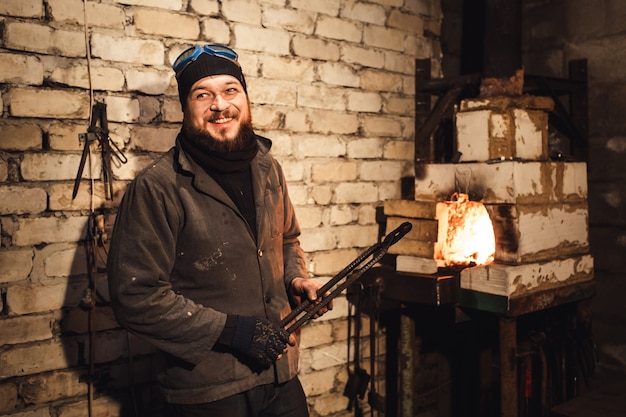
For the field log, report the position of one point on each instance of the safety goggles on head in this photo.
(191, 54)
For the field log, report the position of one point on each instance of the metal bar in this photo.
(333, 288)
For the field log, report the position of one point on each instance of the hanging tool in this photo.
(334, 287)
(107, 146)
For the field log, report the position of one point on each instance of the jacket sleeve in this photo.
(141, 255)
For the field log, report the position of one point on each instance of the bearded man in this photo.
(205, 258)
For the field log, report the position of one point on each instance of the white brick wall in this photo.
(331, 83)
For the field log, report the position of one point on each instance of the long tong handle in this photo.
(377, 251)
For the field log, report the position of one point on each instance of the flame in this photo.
(469, 235)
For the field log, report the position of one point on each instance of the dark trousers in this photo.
(272, 400)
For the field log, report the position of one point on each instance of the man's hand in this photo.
(302, 287)
(260, 340)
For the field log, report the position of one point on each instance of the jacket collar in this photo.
(204, 183)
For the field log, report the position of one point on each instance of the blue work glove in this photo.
(257, 339)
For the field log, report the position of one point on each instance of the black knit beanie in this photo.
(204, 66)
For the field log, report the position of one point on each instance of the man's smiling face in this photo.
(218, 107)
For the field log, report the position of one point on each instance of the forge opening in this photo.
(465, 234)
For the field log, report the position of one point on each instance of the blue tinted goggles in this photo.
(191, 54)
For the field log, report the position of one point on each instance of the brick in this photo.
(8, 396)
(126, 49)
(55, 166)
(288, 69)
(49, 230)
(41, 389)
(28, 299)
(332, 122)
(76, 320)
(341, 215)
(335, 73)
(400, 105)
(64, 136)
(356, 236)
(15, 265)
(340, 29)
(217, 31)
(382, 37)
(289, 19)
(389, 190)
(365, 148)
(320, 97)
(35, 358)
(154, 138)
(20, 137)
(319, 146)
(399, 62)
(102, 78)
(279, 93)
(63, 260)
(22, 200)
(135, 164)
(20, 69)
(267, 117)
(262, 40)
(387, 126)
(22, 329)
(331, 262)
(530, 233)
(334, 171)
(357, 192)
(363, 56)
(399, 149)
(410, 209)
(159, 4)
(316, 333)
(4, 170)
(44, 39)
(414, 247)
(122, 109)
(410, 23)
(505, 134)
(148, 81)
(329, 7)
(310, 217)
(316, 383)
(329, 404)
(422, 229)
(515, 281)
(55, 104)
(98, 14)
(205, 7)
(22, 8)
(172, 111)
(327, 356)
(304, 46)
(313, 240)
(377, 80)
(380, 170)
(364, 102)
(368, 13)
(505, 182)
(293, 170)
(102, 406)
(244, 11)
(166, 23)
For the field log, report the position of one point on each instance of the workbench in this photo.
(440, 295)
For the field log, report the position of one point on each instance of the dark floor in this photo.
(606, 396)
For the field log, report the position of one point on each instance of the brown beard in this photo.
(245, 139)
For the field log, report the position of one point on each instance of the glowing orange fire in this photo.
(466, 237)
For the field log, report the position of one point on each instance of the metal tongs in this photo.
(304, 311)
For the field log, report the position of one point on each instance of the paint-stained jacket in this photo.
(182, 257)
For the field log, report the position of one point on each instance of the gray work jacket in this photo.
(182, 257)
